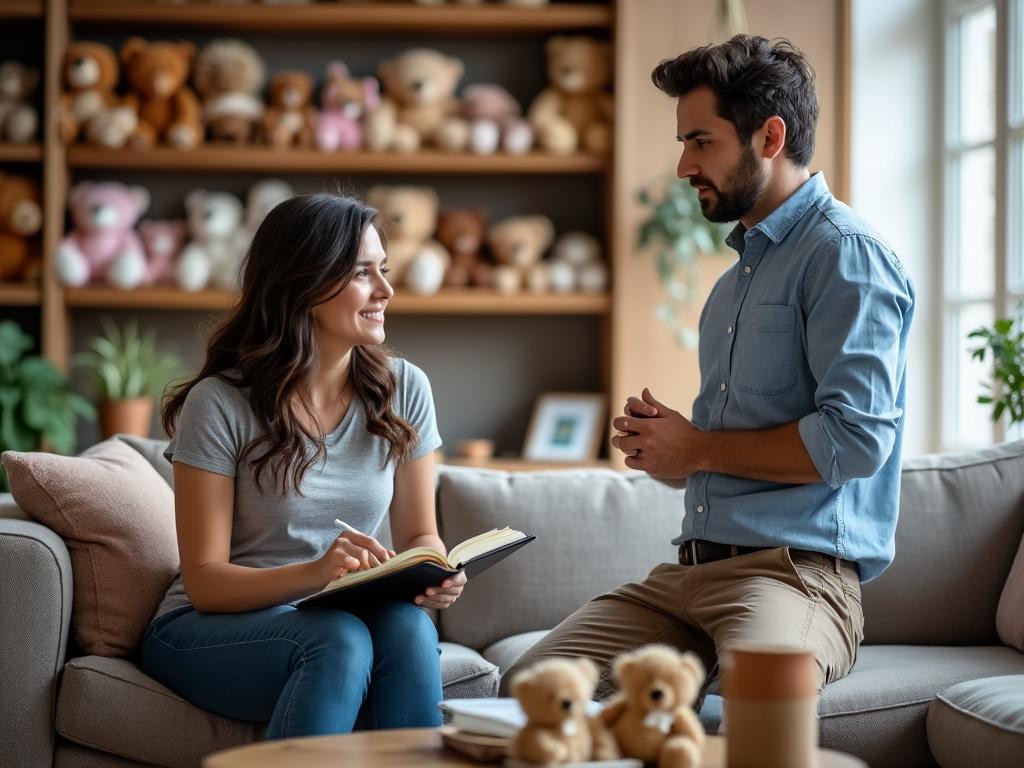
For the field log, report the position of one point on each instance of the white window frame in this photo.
(1009, 231)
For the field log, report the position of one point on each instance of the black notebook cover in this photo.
(406, 584)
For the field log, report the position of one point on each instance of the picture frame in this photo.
(565, 426)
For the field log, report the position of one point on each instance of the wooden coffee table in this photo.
(403, 748)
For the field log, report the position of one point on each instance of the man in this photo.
(791, 460)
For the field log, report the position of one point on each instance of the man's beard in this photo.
(738, 194)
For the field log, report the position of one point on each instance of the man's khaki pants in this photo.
(773, 596)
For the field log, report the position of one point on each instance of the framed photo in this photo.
(565, 426)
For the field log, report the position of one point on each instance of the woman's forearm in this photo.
(229, 588)
(426, 540)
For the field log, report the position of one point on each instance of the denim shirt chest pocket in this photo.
(765, 358)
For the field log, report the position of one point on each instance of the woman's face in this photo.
(355, 316)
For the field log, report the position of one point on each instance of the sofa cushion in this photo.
(961, 520)
(507, 651)
(980, 722)
(153, 452)
(116, 515)
(113, 706)
(878, 712)
(1010, 613)
(595, 530)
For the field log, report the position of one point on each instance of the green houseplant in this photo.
(677, 232)
(128, 372)
(36, 405)
(1005, 340)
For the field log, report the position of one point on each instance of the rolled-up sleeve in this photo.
(857, 300)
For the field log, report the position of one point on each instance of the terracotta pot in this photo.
(130, 417)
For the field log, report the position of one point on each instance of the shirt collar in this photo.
(776, 225)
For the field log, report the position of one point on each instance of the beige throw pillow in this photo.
(1010, 614)
(116, 515)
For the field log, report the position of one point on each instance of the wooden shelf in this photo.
(21, 153)
(341, 19)
(448, 302)
(266, 160)
(523, 465)
(21, 9)
(19, 295)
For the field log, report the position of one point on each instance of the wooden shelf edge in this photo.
(264, 160)
(19, 295)
(21, 9)
(346, 18)
(21, 153)
(448, 302)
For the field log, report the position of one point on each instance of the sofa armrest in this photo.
(35, 613)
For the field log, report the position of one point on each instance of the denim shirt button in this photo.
(746, 270)
(700, 508)
(722, 386)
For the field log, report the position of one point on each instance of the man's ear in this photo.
(770, 138)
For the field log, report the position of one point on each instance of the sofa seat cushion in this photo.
(507, 651)
(980, 722)
(878, 712)
(111, 705)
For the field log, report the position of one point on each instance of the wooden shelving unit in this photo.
(21, 153)
(333, 19)
(19, 295)
(21, 9)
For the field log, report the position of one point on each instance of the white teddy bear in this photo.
(217, 243)
(576, 264)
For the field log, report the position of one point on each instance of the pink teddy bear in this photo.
(164, 241)
(102, 243)
(344, 101)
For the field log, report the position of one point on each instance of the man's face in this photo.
(726, 173)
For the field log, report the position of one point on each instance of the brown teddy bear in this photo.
(419, 107)
(408, 215)
(518, 244)
(21, 217)
(290, 120)
(462, 233)
(554, 694)
(168, 109)
(575, 110)
(229, 77)
(90, 77)
(652, 715)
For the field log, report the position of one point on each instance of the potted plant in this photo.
(679, 233)
(37, 407)
(1005, 340)
(128, 372)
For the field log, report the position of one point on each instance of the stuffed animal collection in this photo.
(21, 218)
(19, 119)
(179, 95)
(650, 718)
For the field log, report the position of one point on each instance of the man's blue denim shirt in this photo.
(809, 325)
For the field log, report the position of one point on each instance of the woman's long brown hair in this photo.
(303, 254)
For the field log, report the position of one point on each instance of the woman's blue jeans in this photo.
(309, 672)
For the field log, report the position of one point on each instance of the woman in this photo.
(299, 417)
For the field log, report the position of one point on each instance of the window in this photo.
(983, 264)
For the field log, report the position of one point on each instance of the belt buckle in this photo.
(693, 552)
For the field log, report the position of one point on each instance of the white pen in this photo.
(346, 527)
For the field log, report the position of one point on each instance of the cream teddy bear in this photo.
(518, 244)
(228, 75)
(214, 253)
(409, 217)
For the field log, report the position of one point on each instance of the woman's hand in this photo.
(444, 595)
(350, 552)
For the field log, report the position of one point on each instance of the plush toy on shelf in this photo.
(19, 120)
(575, 110)
(345, 103)
(462, 233)
(169, 111)
(217, 244)
(21, 218)
(495, 120)
(261, 197)
(103, 244)
(409, 218)
(576, 264)
(228, 76)
(419, 107)
(163, 241)
(290, 119)
(518, 244)
(89, 108)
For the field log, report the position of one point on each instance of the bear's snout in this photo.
(567, 705)
(657, 694)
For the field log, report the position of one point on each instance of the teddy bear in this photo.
(163, 241)
(494, 120)
(168, 109)
(18, 117)
(575, 109)
(214, 252)
(518, 244)
(290, 120)
(408, 215)
(652, 715)
(554, 694)
(419, 107)
(345, 103)
(89, 108)
(462, 233)
(228, 76)
(103, 243)
(576, 264)
(261, 197)
(21, 218)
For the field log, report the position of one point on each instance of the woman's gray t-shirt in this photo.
(355, 482)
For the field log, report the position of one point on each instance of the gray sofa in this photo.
(930, 618)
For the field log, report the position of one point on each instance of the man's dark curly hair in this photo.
(753, 78)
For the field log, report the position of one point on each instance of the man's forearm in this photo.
(777, 455)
